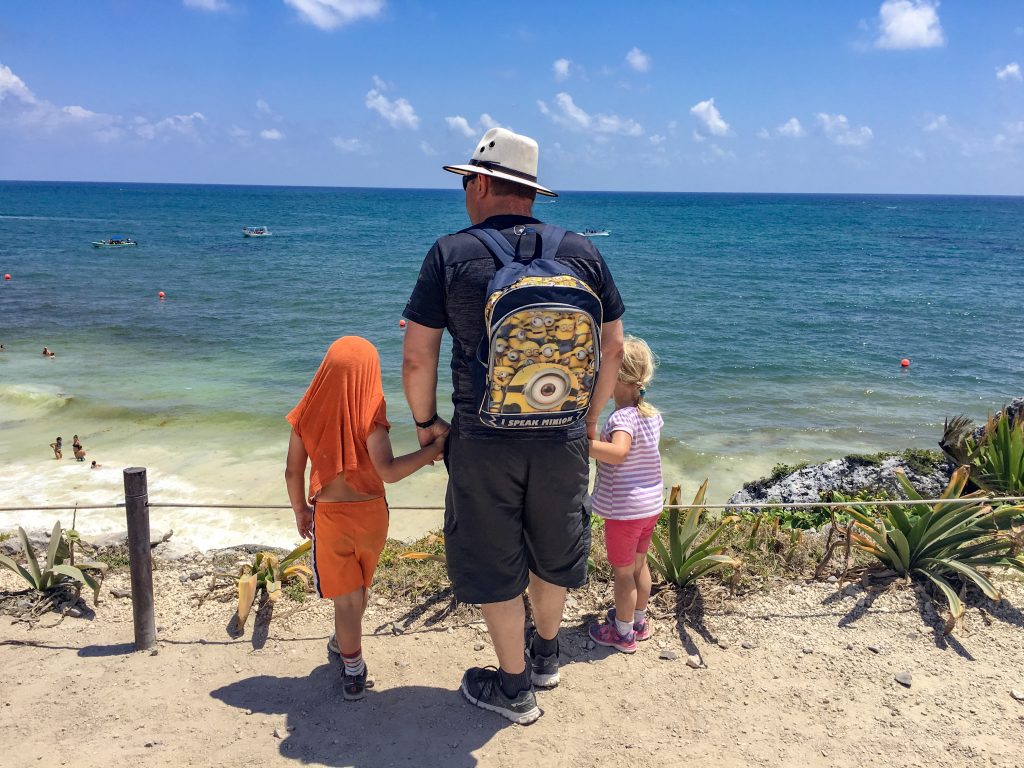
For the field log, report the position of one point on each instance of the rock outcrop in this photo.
(926, 470)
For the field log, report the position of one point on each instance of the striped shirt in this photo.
(632, 489)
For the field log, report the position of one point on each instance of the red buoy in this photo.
(161, 294)
(905, 363)
(7, 276)
(401, 323)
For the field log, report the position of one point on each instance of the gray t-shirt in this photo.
(450, 293)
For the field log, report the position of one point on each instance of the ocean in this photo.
(779, 320)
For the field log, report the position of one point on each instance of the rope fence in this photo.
(758, 505)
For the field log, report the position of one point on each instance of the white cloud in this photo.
(763, 134)
(263, 107)
(271, 134)
(561, 69)
(699, 137)
(638, 60)
(348, 145)
(237, 133)
(79, 113)
(427, 150)
(839, 130)
(332, 14)
(1010, 72)
(938, 124)
(461, 124)
(12, 85)
(567, 113)
(905, 24)
(208, 5)
(399, 113)
(708, 114)
(30, 113)
(656, 139)
(791, 129)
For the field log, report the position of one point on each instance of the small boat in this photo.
(114, 242)
(256, 232)
(594, 233)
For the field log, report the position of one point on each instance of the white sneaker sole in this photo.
(545, 681)
(519, 718)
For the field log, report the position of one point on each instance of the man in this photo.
(515, 515)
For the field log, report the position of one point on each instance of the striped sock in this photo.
(353, 662)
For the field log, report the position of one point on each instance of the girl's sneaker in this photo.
(608, 635)
(643, 630)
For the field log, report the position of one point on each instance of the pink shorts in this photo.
(625, 539)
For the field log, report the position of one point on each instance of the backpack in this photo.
(537, 363)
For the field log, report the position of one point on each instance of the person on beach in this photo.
(58, 448)
(76, 443)
(340, 428)
(79, 453)
(95, 465)
(628, 495)
(516, 517)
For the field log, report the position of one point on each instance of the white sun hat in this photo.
(505, 155)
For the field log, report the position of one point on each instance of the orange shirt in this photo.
(342, 406)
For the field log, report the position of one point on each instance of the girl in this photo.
(628, 495)
(340, 427)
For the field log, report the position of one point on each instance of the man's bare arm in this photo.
(420, 354)
(611, 361)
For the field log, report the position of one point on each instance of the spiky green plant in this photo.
(940, 542)
(682, 560)
(997, 460)
(54, 571)
(269, 572)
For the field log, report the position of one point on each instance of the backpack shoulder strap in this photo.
(550, 239)
(495, 242)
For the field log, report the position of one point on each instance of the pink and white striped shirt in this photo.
(634, 488)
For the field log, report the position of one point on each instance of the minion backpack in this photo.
(537, 363)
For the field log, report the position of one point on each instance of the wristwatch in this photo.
(428, 423)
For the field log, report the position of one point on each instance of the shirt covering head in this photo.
(342, 406)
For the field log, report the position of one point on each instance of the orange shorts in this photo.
(348, 537)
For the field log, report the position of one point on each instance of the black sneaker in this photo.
(481, 687)
(543, 669)
(353, 687)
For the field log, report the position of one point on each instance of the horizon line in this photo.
(444, 189)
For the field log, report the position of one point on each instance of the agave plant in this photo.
(269, 572)
(950, 540)
(682, 560)
(55, 571)
(997, 460)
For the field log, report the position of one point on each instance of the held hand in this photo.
(438, 444)
(304, 522)
(438, 429)
(592, 429)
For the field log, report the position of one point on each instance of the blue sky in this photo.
(894, 96)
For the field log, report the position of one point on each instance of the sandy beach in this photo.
(794, 673)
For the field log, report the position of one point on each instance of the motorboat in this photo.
(114, 242)
(256, 232)
(594, 233)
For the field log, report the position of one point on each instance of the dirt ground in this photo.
(798, 674)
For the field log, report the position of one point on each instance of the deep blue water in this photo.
(780, 320)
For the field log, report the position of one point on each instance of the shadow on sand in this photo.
(391, 726)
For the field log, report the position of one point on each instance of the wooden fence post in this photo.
(140, 557)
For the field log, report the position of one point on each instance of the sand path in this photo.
(807, 691)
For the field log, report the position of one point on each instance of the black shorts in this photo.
(515, 506)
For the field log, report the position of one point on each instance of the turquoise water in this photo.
(780, 321)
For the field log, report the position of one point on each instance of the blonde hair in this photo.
(638, 364)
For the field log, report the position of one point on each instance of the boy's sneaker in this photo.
(543, 669)
(353, 687)
(332, 645)
(481, 687)
(608, 635)
(643, 629)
